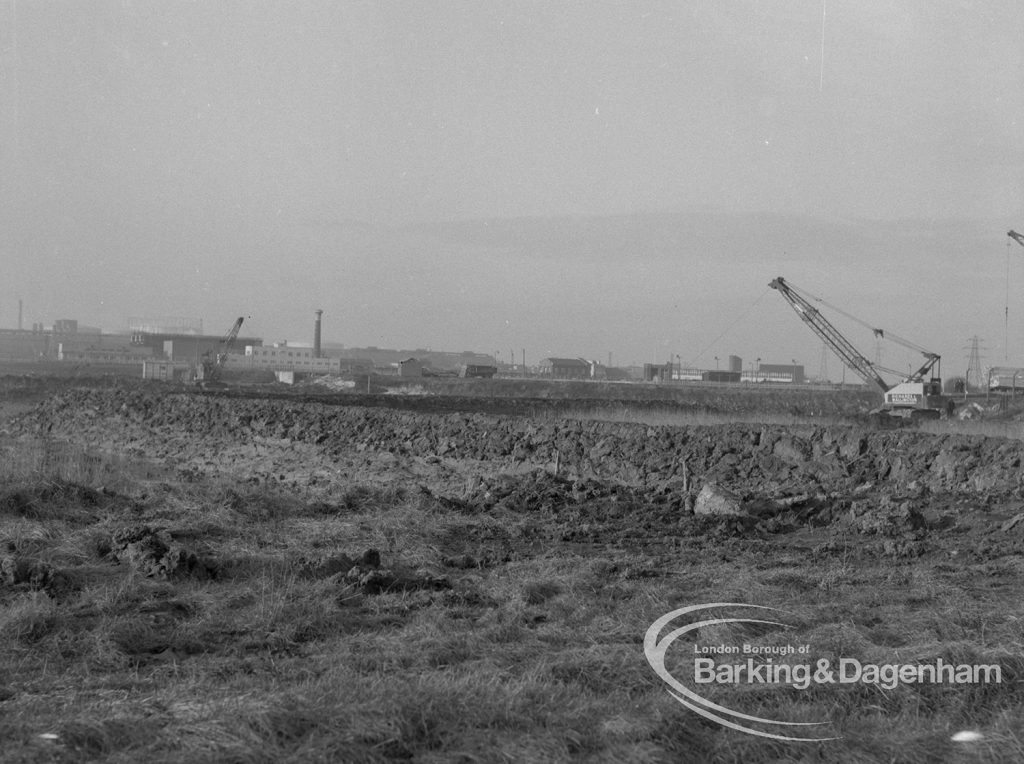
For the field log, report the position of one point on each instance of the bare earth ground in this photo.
(250, 578)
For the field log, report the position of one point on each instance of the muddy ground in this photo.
(611, 484)
(803, 512)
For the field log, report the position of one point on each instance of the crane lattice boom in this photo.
(229, 341)
(915, 397)
(830, 335)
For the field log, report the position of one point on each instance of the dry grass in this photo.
(49, 460)
(532, 653)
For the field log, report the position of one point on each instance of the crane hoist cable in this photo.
(881, 333)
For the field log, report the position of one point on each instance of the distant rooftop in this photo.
(166, 325)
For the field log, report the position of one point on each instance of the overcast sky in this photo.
(568, 178)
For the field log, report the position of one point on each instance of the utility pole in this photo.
(1006, 310)
(1006, 330)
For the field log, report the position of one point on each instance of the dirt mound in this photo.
(584, 482)
(540, 491)
(152, 552)
(364, 575)
(35, 574)
(20, 573)
(341, 563)
(383, 581)
(769, 458)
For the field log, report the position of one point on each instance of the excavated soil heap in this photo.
(210, 433)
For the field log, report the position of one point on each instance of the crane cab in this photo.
(915, 398)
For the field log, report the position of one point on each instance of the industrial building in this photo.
(284, 358)
(1005, 378)
(477, 371)
(66, 339)
(18, 344)
(716, 375)
(578, 368)
(410, 367)
(178, 345)
(387, 358)
(565, 368)
(120, 355)
(166, 371)
(172, 347)
(658, 372)
(780, 372)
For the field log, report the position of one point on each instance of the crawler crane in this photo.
(213, 365)
(915, 397)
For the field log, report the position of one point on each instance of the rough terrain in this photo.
(531, 531)
(308, 444)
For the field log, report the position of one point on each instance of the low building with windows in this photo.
(1005, 378)
(716, 375)
(657, 372)
(565, 368)
(284, 358)
(478, 371)
(164, 370)
(124, 355)
(780, 372)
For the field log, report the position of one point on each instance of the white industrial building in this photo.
(285, 358)
(1005, 378)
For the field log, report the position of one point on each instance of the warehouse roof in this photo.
(566, 362)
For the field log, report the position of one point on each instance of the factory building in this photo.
(658, 372)
(385, 358)
(477, 371)
(285, 358)
(93, 355)
(179, 339)
(17, 344)
(565, 368)
(716, 375)
(185, 347)
(410, 367)
(1005, 378)
(59, 341)
(165, 371)
(780, 372)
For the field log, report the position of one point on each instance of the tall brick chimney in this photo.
(316, 335)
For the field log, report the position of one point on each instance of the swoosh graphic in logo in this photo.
(655, 649)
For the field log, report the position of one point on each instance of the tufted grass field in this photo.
(481, 636)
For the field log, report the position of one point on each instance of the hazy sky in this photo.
(572, 178)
